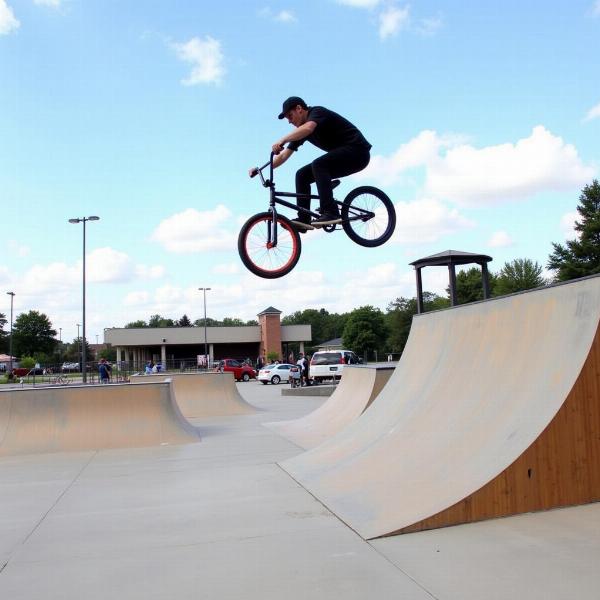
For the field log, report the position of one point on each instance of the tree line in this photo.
(367, 329)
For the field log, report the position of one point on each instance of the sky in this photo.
(484, 119)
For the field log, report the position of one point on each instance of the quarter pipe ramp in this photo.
(356, 391)
(203, 394)
(58, 419)
(494, 409)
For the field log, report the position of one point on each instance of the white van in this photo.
(329, 364)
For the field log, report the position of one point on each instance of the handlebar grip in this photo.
(254, 172)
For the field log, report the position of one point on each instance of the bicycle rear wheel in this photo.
(370, 231)
(259, 255)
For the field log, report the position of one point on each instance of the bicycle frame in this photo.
(275, 198)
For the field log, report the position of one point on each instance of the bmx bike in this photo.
(269, 244)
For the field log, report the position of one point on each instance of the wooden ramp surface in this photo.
(204, 394)
(494, 409)
(356, 391)
(69, 418)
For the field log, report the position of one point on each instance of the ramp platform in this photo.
(493, 410)
(356, 391)
(203, 394)
(58, 419)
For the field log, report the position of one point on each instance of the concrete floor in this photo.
(220, 520)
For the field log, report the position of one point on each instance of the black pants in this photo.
(337, 163)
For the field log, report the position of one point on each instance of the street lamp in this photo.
(204, 290)
(59, 346)
(83, 351)
(10, 351)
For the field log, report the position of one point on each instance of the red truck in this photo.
(241, 371)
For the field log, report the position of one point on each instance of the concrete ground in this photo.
(220, 520)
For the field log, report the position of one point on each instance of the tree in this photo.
(209, 322)
(581, 256)
(519, 275)
(324, 325)
(110, 354)
(33, 333)
(400, 316)
(184, 322)
(365, 330)
(3, 334)
(158, 321)
(72, 352)
(136, 324)
(229, 322)
(469, 285)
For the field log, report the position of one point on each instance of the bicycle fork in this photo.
(272, 229)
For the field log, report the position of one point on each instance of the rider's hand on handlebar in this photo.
(277, 148)
(253, 172)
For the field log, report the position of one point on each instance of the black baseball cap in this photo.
(290, 103)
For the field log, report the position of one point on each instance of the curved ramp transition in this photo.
(494, 409)
(356, 391)
(203, 394)
(58, 419)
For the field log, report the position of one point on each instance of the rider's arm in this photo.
(299, 133)
(280, 158)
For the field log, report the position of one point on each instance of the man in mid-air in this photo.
(346, 152)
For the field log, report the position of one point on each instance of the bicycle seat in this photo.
(335, 183)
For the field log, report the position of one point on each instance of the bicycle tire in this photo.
(274, 262)
(375, 231)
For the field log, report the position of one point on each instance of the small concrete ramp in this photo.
(356, 391)
(203, 394)
(494, 409)
(59, 419)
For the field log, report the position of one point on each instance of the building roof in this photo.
(334, 343)
(451, 257)
(269, 311)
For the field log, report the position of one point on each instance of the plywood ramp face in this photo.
(58, 419)
(356, 391)
(492, 410)
(204, 394)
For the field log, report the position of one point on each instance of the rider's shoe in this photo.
(327, 219)
(301, 226)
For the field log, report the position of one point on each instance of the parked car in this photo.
(329, 364)
(275, 373)
(70, 367)
(241, 371)
(36, 371)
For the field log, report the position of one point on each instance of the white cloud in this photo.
(226, 269)
(150, 272)
(285, 16)
(596, 9)
(541, 162)
(206, 58)
(593, 113)
(359, 3)
(195, 231)
(392, 20)
(500, 239)
(425, 221)
(567, 225)
(107, 265)
(52, 3)
(429, 26)
(136, 299)
(421, 150)
(8, 21)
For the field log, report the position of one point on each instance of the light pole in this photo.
(59, 347)
(204, 290)
(10, 363)
(83, 350)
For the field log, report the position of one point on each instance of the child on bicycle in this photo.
(347, 152)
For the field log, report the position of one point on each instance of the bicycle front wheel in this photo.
(368, 216)
(260, 255)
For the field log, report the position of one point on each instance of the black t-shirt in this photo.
(332, 131)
